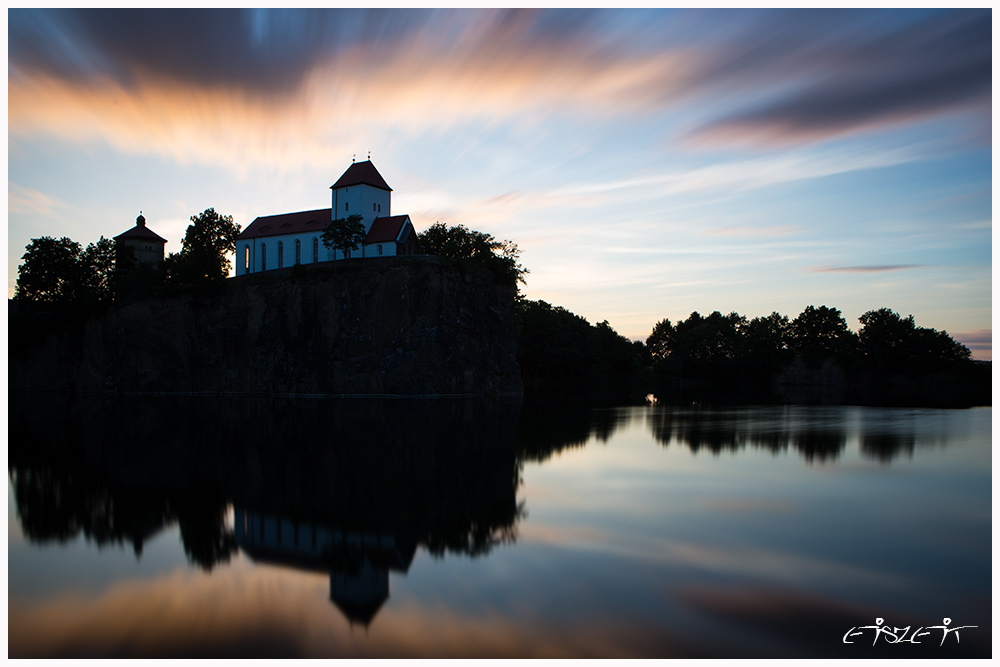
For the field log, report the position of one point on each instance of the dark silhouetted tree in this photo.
(499, 257)
(659, 341)
(204, 249)
(561, 353)
(345, 234)
(765, 342)
(97, 270)
(50, 272)
(894, 343)
(58, 271)
(821, 333)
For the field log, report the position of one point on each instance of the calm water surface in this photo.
(311, 528)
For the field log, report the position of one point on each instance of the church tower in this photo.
(363, 191)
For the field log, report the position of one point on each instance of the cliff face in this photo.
(407, 325)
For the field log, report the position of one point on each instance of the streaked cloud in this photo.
(865, 269)
(841, 72)
(234, 86)
(755, 232)
(26, 200)
(980, 342)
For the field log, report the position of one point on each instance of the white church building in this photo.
(280, 241)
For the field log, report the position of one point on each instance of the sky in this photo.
(647, 163)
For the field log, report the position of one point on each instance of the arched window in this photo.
(281, 254)
(380, 208)
(263, 257)
(298, 251)
(246, 259)
(315, 249)
(380, 248)
(347, 207)
(374, 207)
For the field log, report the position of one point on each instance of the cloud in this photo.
(775, 231)
(979, 341)
(245, 88)
(861, 70)
(26, 200)
(752, 173)
(875, 268)
(241, 89)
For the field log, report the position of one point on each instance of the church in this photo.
(284, 240)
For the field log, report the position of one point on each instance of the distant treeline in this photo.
(812, 358)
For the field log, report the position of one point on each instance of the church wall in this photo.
(270, 249)
(270, 243)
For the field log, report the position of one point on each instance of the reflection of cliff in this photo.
(441, 473)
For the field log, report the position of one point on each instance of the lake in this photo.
(247, 527)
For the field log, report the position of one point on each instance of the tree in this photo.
(98, 270)
(58, 271)
(885, 337)
(820, 333)
(499, 257)
(345, 234)
(204, 250)
(765, 341)
(894, 343)
(50, 272)
(659, 341)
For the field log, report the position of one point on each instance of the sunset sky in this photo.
(647, 163)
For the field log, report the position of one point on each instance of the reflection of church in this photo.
(358, 562)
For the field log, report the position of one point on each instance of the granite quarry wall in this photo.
(409, 326)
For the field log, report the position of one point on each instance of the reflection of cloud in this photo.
(244, 610)
(806, 625)
(754, 505)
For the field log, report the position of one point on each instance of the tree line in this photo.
(718, 346)
(59, 271)
(559, 353)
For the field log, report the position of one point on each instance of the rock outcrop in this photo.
(382, 326)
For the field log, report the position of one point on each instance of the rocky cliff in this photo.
(405, 325)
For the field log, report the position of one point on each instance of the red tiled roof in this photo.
(386, 229)
(140, 232)
(288, 223)
(361, 173)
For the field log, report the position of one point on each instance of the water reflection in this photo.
(57, 504)
(356, 484)
(358, 562)
(302, 522)
(818, 434)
